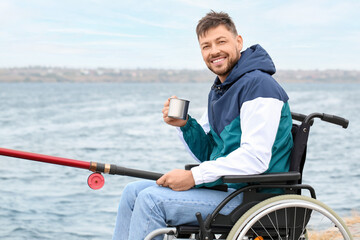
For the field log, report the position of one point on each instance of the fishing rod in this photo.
(95, 180)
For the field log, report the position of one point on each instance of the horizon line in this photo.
(172, 69)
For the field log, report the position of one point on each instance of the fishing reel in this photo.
(96, 181)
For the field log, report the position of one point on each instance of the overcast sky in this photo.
(303, 34)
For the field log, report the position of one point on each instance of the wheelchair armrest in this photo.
(222, 187)
(263, 178)
(190, 166)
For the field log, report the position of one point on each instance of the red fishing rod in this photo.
(95, 180)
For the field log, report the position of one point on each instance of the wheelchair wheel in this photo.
(289, 217)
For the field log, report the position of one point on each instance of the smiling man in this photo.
(220, 49)
(245, 130)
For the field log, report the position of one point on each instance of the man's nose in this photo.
(214, 50)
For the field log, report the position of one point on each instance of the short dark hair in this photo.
(214, 19)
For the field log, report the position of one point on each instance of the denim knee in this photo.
(132, 190)
(147, 196)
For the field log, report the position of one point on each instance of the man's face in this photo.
(220, 49)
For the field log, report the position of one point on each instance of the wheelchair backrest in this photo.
(300, 135)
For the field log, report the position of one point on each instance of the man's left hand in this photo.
(177, 180)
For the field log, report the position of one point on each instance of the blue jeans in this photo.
(145, 206)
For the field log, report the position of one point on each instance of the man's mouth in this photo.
(218, 61)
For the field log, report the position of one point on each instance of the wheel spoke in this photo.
(277, 223)
(276, 228)
(303, 226)
(293, 233)
(257, 235)
(287, 230)
(266, 230)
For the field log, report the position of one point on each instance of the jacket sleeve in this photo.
(196, 138)
(259, 121)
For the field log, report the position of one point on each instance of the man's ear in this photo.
(239, 41)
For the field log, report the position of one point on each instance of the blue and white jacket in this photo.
(247, 128)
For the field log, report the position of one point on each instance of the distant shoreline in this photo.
(58, 74)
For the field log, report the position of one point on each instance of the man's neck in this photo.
(222, 78)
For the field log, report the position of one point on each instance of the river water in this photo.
(121, 123)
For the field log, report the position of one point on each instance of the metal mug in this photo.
(178, 108)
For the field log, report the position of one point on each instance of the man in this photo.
(247, 130)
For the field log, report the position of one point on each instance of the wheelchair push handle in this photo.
(336, 120)
(328, 118)
(300, 117)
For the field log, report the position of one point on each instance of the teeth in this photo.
(218, 60)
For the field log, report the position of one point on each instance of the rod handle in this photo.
(117, 170)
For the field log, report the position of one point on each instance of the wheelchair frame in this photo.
(256, 205)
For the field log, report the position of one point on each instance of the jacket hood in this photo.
(253, 58)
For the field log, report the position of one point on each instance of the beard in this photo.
(224, 71)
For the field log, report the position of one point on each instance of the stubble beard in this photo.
(229, 66)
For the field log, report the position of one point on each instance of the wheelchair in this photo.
(263, 215)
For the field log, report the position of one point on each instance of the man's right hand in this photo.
(171, 121)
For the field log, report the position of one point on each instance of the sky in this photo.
(302, 34)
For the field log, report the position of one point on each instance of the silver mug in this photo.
(178, 108)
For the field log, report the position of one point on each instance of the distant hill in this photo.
(58, 74)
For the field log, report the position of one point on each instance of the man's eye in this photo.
(205, 47)
(222, 42)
